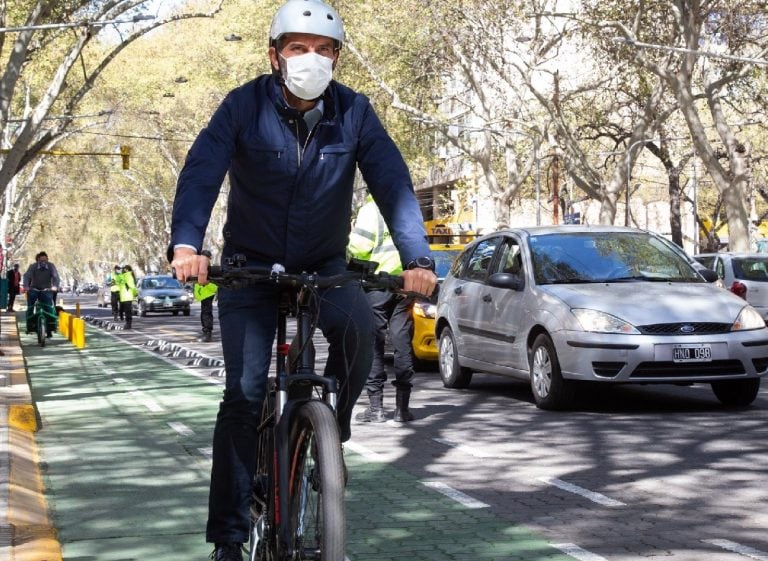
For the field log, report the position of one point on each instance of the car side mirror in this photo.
(506, 280)
(709, 275)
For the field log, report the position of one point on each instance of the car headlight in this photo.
(149, 299)
(749, 318)
(600, 322)
(424, 310)
(184, 298)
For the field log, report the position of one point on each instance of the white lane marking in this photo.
(147, 402)
(468, 449)
(119, 380)
(207, 452)
(181, 428)
(455, 494)
(740, 549)
(586, 493)
(576, 552)
(366, 453)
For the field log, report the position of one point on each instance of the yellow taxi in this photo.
(443, 238)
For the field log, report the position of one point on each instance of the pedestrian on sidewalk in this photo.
(205, 293)
(14, 286)
(370, 240)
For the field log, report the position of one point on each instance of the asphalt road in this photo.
(633, 473)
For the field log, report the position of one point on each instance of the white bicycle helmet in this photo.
(307, 16)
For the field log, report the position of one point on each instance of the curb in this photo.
(26, 532)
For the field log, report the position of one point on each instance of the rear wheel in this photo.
(316, 492)
(453, 374)
(736, 393)
(550, 389)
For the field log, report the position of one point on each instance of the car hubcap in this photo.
(446, 357)
(542, 372)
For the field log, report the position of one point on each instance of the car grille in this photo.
(688, 370)
(695, 328)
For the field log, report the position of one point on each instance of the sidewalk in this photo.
(26, 533)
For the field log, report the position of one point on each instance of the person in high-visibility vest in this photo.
(205, 293)
(370, 240)
(128, 291)
(114, 291)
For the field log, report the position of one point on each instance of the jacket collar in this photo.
(275, 93)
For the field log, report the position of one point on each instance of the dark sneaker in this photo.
(227, 552)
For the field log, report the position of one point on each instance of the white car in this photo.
(744, 274)
(560, 305)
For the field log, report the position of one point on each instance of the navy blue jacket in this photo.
(290, 199)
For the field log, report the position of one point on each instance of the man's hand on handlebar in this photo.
(187, 263)
(418, 280)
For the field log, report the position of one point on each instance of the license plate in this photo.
(167, 303)
(691, 353)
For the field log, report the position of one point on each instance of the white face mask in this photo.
(306, 76)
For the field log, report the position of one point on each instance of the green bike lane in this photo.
(124, 443)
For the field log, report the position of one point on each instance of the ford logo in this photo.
(687, 329)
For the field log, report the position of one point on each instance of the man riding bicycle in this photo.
(291, 142)
(40, 279)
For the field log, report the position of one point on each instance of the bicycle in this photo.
(297, 500)
(43, 317)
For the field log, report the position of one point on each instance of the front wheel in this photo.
(550, 390)
(316, 492)
(736, 393)
(41, 329)
(453, 374)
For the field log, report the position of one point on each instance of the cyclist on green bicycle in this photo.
(291, 142)
(40, 279)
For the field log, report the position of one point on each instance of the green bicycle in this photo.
(44, 320)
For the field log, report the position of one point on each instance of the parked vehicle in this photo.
(104, 296)
(162, 294)
(561, 305)
(423, 341)
(744, 274)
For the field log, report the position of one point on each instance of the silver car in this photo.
(744, 274)
(560, 305)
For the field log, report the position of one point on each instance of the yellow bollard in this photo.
(64, 326)
(78, 333)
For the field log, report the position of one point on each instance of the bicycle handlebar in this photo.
(242, 276)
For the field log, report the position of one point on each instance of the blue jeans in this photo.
(248, 323)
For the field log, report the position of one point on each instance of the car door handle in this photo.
(487, 298)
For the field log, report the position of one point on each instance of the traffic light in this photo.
(125, 154)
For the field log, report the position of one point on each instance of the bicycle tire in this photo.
(316, 492)
(41, 329)
(262, 535)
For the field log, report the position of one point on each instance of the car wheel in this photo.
(176, 312)
(736, 393)
(550, 390)
(453, 374)
(142, 309)
(186, 312)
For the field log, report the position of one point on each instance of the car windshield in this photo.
(583, 257)
(162, 282)
(753, 268)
